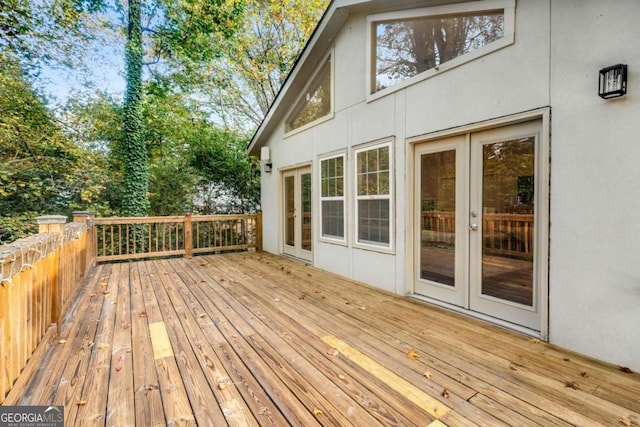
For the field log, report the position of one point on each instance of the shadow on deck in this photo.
(255, 339)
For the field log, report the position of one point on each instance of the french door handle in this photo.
(473, 227)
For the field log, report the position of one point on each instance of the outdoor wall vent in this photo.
(613, 81)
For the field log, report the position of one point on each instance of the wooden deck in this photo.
(248, 339)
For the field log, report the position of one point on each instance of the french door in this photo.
(297, 221)
(478, 224)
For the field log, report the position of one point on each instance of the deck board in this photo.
(259, 340)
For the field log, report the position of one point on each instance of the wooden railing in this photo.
(39, 279)
(504, 234)
(41, 274)
(146, 237)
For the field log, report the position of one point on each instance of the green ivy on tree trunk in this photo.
(136, 176)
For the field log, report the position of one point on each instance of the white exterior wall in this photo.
(595, 174)
(595, 183)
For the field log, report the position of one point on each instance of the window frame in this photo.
(508, 6)
(343, 198)
(379, 247)
(314, 79)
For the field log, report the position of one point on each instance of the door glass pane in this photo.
(507, 220)
(305, 181)
(289, 207)
(438, 217)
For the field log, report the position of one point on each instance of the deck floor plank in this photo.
(89, 407)
(147, 399)
(175, 401)
(121, 396)
(245, 339)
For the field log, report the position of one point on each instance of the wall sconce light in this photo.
(613, 81)
(265, 157)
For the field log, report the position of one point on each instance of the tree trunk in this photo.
(136, 177)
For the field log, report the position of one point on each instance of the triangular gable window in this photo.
(315, 102)
(407, 45)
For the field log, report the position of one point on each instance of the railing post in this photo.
(54, 224)
(259, 231)
(88, 217)
(188, 235)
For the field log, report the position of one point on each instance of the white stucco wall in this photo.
(595, 183)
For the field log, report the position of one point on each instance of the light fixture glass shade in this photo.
(613, 81)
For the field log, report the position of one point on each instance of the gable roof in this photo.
(321, 39)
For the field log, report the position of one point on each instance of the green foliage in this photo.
(17, 226)
(135, 201)
(243, 80)
(226, 172)
(42, 171)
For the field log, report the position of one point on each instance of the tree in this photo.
(239, 84)
(136, 178)
(186, 36)
(42, 169)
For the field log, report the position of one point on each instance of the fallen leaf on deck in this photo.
(571, 384)
(152, 387)
(302, 297)
(103, 345)
(332, 352)
(143, 314)
(103, 284)
(625, 421)
(427, 375)
(534, 341)
(445, 393)
(62, 341)
(584, 375)
(202, 315)
(90, 344)
(342, 377)
(81, 402)
(625, 370)
(413, 355)
(223, 383)
(317, 412)
(513, 368)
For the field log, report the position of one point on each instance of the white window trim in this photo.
(343, 198)
(390, 248)
(509, 7)
(324, 118)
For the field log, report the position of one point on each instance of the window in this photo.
(332, 197)
(315, 103)
(373, 195)
(406, 45)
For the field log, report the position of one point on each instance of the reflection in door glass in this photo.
(289, 201)
(438, 218)
(507, 220)
(306, 211)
